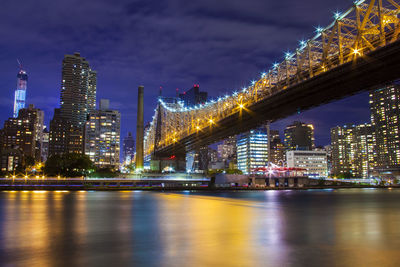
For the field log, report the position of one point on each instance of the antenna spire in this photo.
(19, 64)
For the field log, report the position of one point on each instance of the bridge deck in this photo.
(371, 71)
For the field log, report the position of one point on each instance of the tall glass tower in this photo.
(20, 93)
(252, 150)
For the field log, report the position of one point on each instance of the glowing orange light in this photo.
(356, 51)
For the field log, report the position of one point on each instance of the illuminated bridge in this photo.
(359, 50)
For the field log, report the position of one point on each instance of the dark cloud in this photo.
(221, 45)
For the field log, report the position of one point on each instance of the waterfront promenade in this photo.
(159, 182)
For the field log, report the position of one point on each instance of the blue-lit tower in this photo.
(20, 93)
(252, 150)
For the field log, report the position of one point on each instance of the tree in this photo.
(29, 161)
(69, 165)
(54, 165)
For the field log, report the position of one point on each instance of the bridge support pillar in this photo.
(166, 163)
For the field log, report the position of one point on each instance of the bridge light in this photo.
(358, 2)
(319, 29)
(253, 83)
(288, 55)
(241, 106)
(275, 65)
(337, 15)
(303, 44)
(356, 52)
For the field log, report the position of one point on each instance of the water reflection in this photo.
(272, 228)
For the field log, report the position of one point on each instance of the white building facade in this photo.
(315, 162)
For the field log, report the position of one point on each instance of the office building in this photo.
(102, 137)
(22, 137)
(45, 145)
(59, 129)
(385, 118)
(299, 136)
(277, 148)
(227, 150)
(328, 149)
(314, 162)
(193, 96)
(353, 150)
(20, 92)
(128, 148)
(252, 150)
(78, 99)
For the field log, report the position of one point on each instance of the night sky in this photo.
(221, 45)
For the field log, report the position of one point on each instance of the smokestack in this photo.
(139, 129)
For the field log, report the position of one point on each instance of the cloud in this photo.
(221, 45)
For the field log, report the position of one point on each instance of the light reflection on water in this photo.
(263, 228)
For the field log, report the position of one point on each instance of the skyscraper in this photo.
(78, 89)
(252, 150)
(227, 150)
(128, 148)
(59, 129)
(78, 99)
(299, 136)
(20, 92)
(353, 150)
(193, 96)
(385, 117)
(22, 138)
(102, 137)
(277, 149)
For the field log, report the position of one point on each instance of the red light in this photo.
(172, 157)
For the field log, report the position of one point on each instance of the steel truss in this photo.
(361, 29)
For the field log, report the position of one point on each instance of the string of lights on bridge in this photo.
(313, 56)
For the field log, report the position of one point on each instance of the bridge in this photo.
(359, 50)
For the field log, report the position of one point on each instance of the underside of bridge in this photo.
(371, 71)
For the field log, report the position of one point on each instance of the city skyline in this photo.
(199, 133)
(119, 76)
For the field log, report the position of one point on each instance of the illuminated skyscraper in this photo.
(227, 150)
(299, 136)
(129, 148)
(21, 138)
(252, 150)
(78, 99)
(385, 117)
(102, 137)
(353, 150)
(78, 89)
(20, 93)
(277, 149)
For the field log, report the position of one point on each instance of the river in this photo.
(344, 227)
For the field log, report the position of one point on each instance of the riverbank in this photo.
(176, 188)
